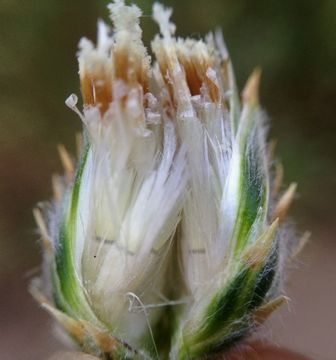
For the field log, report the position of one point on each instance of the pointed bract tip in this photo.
(37, 294)
(66, 161)
(251, 90)
(104, 341)
(256, 255)
(57, 187)
(42, 226)
(283, 205)
(263, 313)
(72, 326)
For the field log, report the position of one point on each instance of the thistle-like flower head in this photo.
(165, 241)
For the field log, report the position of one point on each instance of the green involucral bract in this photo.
(70, 293)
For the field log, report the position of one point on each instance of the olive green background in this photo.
(293, 41)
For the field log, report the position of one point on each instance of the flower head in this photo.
(165, 241)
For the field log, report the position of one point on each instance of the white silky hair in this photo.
(131, 190)
(129, 206)
(208, 160)
(215, 147)
(211, 208)
(175, 162)
(204, 130)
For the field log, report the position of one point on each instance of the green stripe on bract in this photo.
(58, 297)
(228, 316)
(222, 306)
(264, 280)
(71, 290)
(253, 199)
(216, 324)
(253, 194)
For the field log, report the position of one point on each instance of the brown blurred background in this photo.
(293, 41)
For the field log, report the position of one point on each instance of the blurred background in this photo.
(293, 41)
